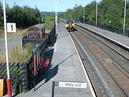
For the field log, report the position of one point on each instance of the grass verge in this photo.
(17, 54)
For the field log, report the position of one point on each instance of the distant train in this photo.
(69, 24)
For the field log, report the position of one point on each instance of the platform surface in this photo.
(117, 37)
(66, 67)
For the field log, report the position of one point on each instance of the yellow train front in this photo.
(70, 25)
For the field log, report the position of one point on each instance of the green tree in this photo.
(90, 12)
(23, 16)
(76, 13)
(1, 16)
(110, 13)
(111, 10)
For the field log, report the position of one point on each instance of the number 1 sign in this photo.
(11, 27)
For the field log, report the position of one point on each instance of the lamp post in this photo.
(6, 50)
(84, 15)
(110, 22)
(124, 17)
(83, 19)
(96, 13)
(56, 15)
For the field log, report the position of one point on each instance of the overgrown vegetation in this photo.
(17, 54)
(48, 22)
(110, 13)
(2, 57)
(20, 55)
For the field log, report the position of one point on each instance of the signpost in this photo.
(11, 27)
(6, 49)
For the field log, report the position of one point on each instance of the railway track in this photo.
(106, 64)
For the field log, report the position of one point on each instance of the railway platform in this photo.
(117, 38)
(66, 76)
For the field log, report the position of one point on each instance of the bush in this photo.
(48, 22)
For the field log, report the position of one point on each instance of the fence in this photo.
(109, 28)
(52, 37)
(22, 74)
(17, 74)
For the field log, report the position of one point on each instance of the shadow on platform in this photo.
(66, 58)
(44, 76)
(50, 72)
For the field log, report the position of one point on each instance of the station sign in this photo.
(72, 85)
(11, 27)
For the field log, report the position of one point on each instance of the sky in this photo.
(49, 5)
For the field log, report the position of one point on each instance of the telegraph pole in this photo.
(96, 13)
(84, 15)
(124, 25)
(6, 50)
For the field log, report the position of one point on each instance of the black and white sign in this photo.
(72, 85)
(11, 27)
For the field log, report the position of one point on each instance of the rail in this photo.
(107, 38)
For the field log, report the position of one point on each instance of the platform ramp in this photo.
(65, 67)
